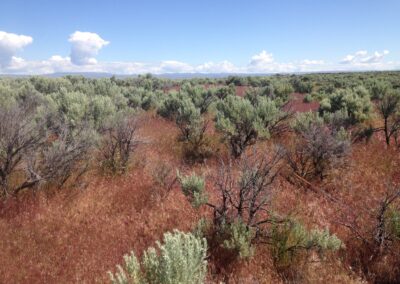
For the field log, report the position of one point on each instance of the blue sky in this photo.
(198, 36)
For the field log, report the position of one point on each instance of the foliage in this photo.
(389, 109)
(282, 90)
(120, 140)
(240, 123)
(239, 239)
(393, 222)
(200, 97)
(181, 260)
(378, 89)
(191, 124)
(308, 98)
(37, 153)
(317, 148)
(290, 239)
(301, 86)
(357, 105)
(243, 195)
(193, 188)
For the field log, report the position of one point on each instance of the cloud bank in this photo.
(86, 45)
(362, 57)
(10, 44)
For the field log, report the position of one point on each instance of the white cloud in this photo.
(171, 66)
(261, 60)
(361, 57)
(85, 46)
(312, 62)
(10, 44)
(375, 58)
(218, 67)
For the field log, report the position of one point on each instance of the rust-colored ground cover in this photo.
(78, 234)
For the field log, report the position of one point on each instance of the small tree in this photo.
(181, 259)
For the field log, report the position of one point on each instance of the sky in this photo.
(208, 36)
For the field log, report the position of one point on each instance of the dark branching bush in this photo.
(374, 241)
(36, 153)
(317, 148)
(389, 110)
(120, 140)
(244, 192)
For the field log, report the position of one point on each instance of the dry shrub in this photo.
(119, 142)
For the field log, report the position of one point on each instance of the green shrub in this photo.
(240, 124)
(378, 89)
(200, 97)
(179, 260)
(301, 86)
(191, 124)
(73, 106)
(101, 109)
(393, 222)
(282, 90)
(239, 239)
(196, 147)
(307, 98)
(171, 105)
(193, 188)
(272, 117)
(290, 239)
(222, 92)
(356, 103)
(151, 100)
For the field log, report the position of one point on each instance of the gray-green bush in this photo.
(290, 239)
(180, 259)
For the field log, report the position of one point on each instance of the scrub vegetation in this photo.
(274, 179)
